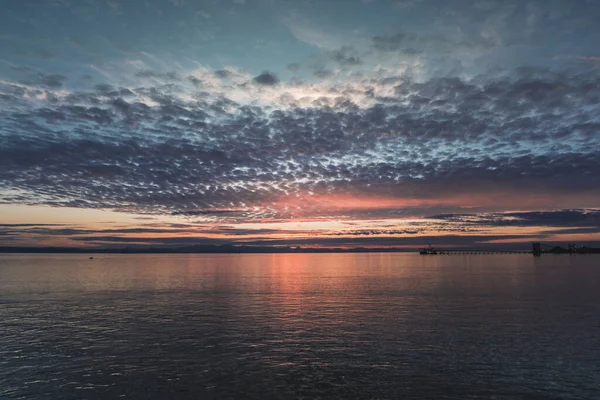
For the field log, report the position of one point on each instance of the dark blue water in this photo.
(370, 326)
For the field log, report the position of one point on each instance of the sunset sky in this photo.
(314, 123)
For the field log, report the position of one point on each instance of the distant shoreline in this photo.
(230, 249)
(203, 250)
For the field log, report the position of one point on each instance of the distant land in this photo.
(198, 249)
(232, 249)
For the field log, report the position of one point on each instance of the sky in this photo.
(313, 123)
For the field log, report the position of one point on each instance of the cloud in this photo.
(162, 241)
(144, 237)
(526, 140)
(323, 73)
(306, 31)
(51, 81)
(293, 67)
(476, 241)
(150, 233)
(223, 73)
(3, 226)
(482, 106)
(167, 76)
(389, 42)
(207, 212)
(584, 219)
(345, 56)
(266, 78)
(411, 51)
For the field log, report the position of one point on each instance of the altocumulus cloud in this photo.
(163, 147)
(266, 78)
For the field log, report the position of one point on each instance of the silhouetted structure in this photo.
(428, 251)
(571, 249)
(537, 249)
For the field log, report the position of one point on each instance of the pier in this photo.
(467, 251)
(537, 249)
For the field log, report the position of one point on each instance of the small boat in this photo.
(428, 251)
(91, 258)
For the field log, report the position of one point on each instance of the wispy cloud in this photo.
(390, 110)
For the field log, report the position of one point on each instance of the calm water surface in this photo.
(372, 326)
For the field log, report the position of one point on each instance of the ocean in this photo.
(299, 326)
